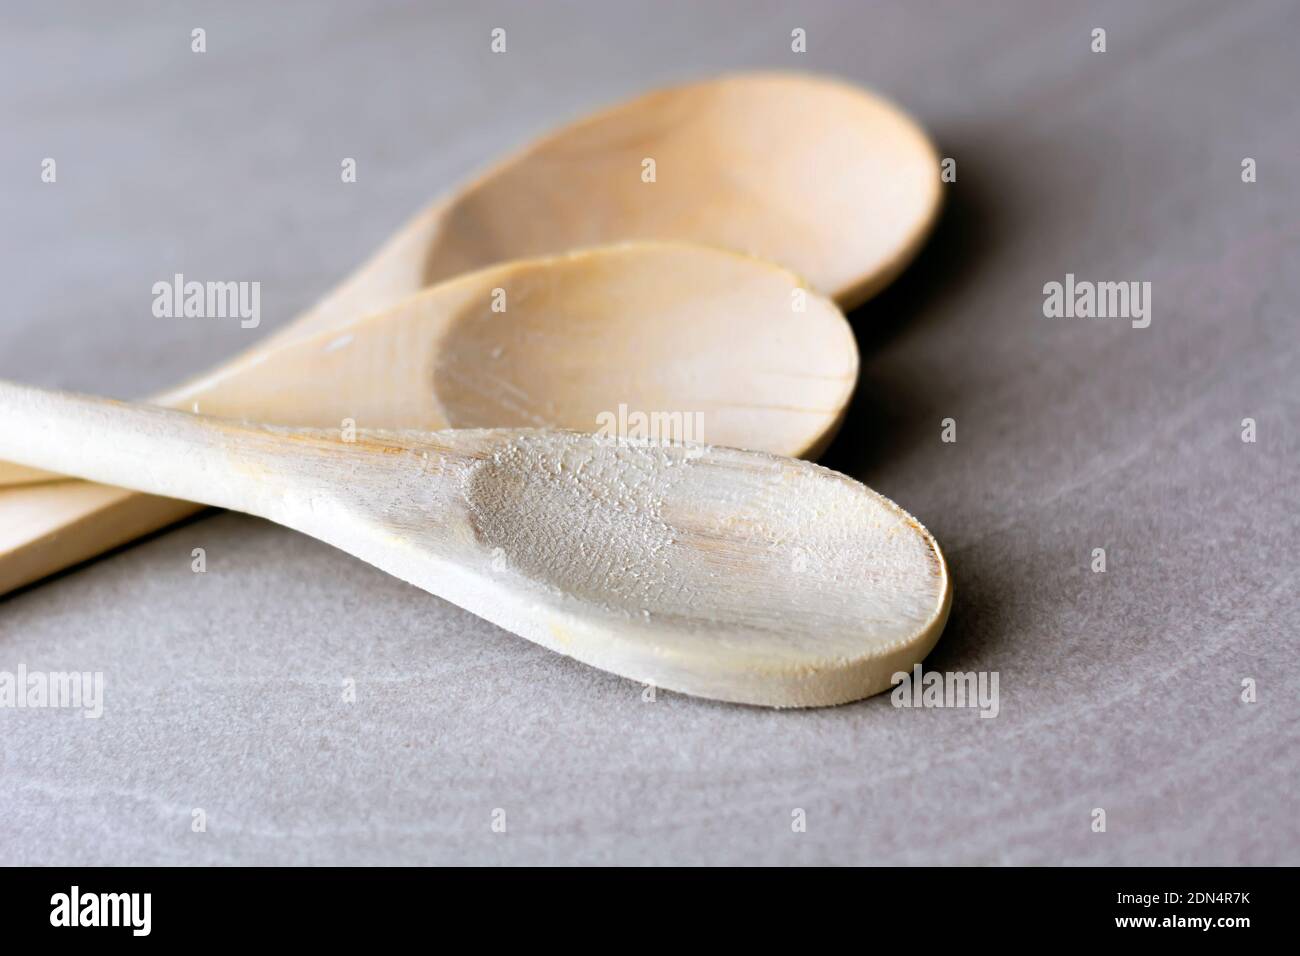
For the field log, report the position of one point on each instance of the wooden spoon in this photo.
(735, 575)
(709, 345)
(822, 177)
(810, 172)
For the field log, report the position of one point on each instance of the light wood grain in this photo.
(727, 574)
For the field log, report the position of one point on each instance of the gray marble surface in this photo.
(1121, 691)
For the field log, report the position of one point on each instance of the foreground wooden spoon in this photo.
(706, 344)
(735, 575)
(822, 177)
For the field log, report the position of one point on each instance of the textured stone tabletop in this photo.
(1122, 691)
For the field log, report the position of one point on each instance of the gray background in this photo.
(1118, 690)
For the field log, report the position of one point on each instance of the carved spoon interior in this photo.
(733, 575)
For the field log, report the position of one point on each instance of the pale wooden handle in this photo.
(141, 447)
(14, 475)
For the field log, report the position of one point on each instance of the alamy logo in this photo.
(25, 689)
(1098, 300)
(102, 909)
(208, 300)
(946, 689)
(651, 427)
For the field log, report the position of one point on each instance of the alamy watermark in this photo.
(975, 689)
(130, 910)
(651, 427)
(208, 300)
(75, 690)
(1073, 299)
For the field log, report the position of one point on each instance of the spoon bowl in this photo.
(718, 573)
(825, 178)
(832, 181)
(734, 349)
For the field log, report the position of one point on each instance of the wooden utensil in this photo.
(706, 344)
(810, 172)
(734, 575)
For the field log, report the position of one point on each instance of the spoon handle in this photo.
(144, 448)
